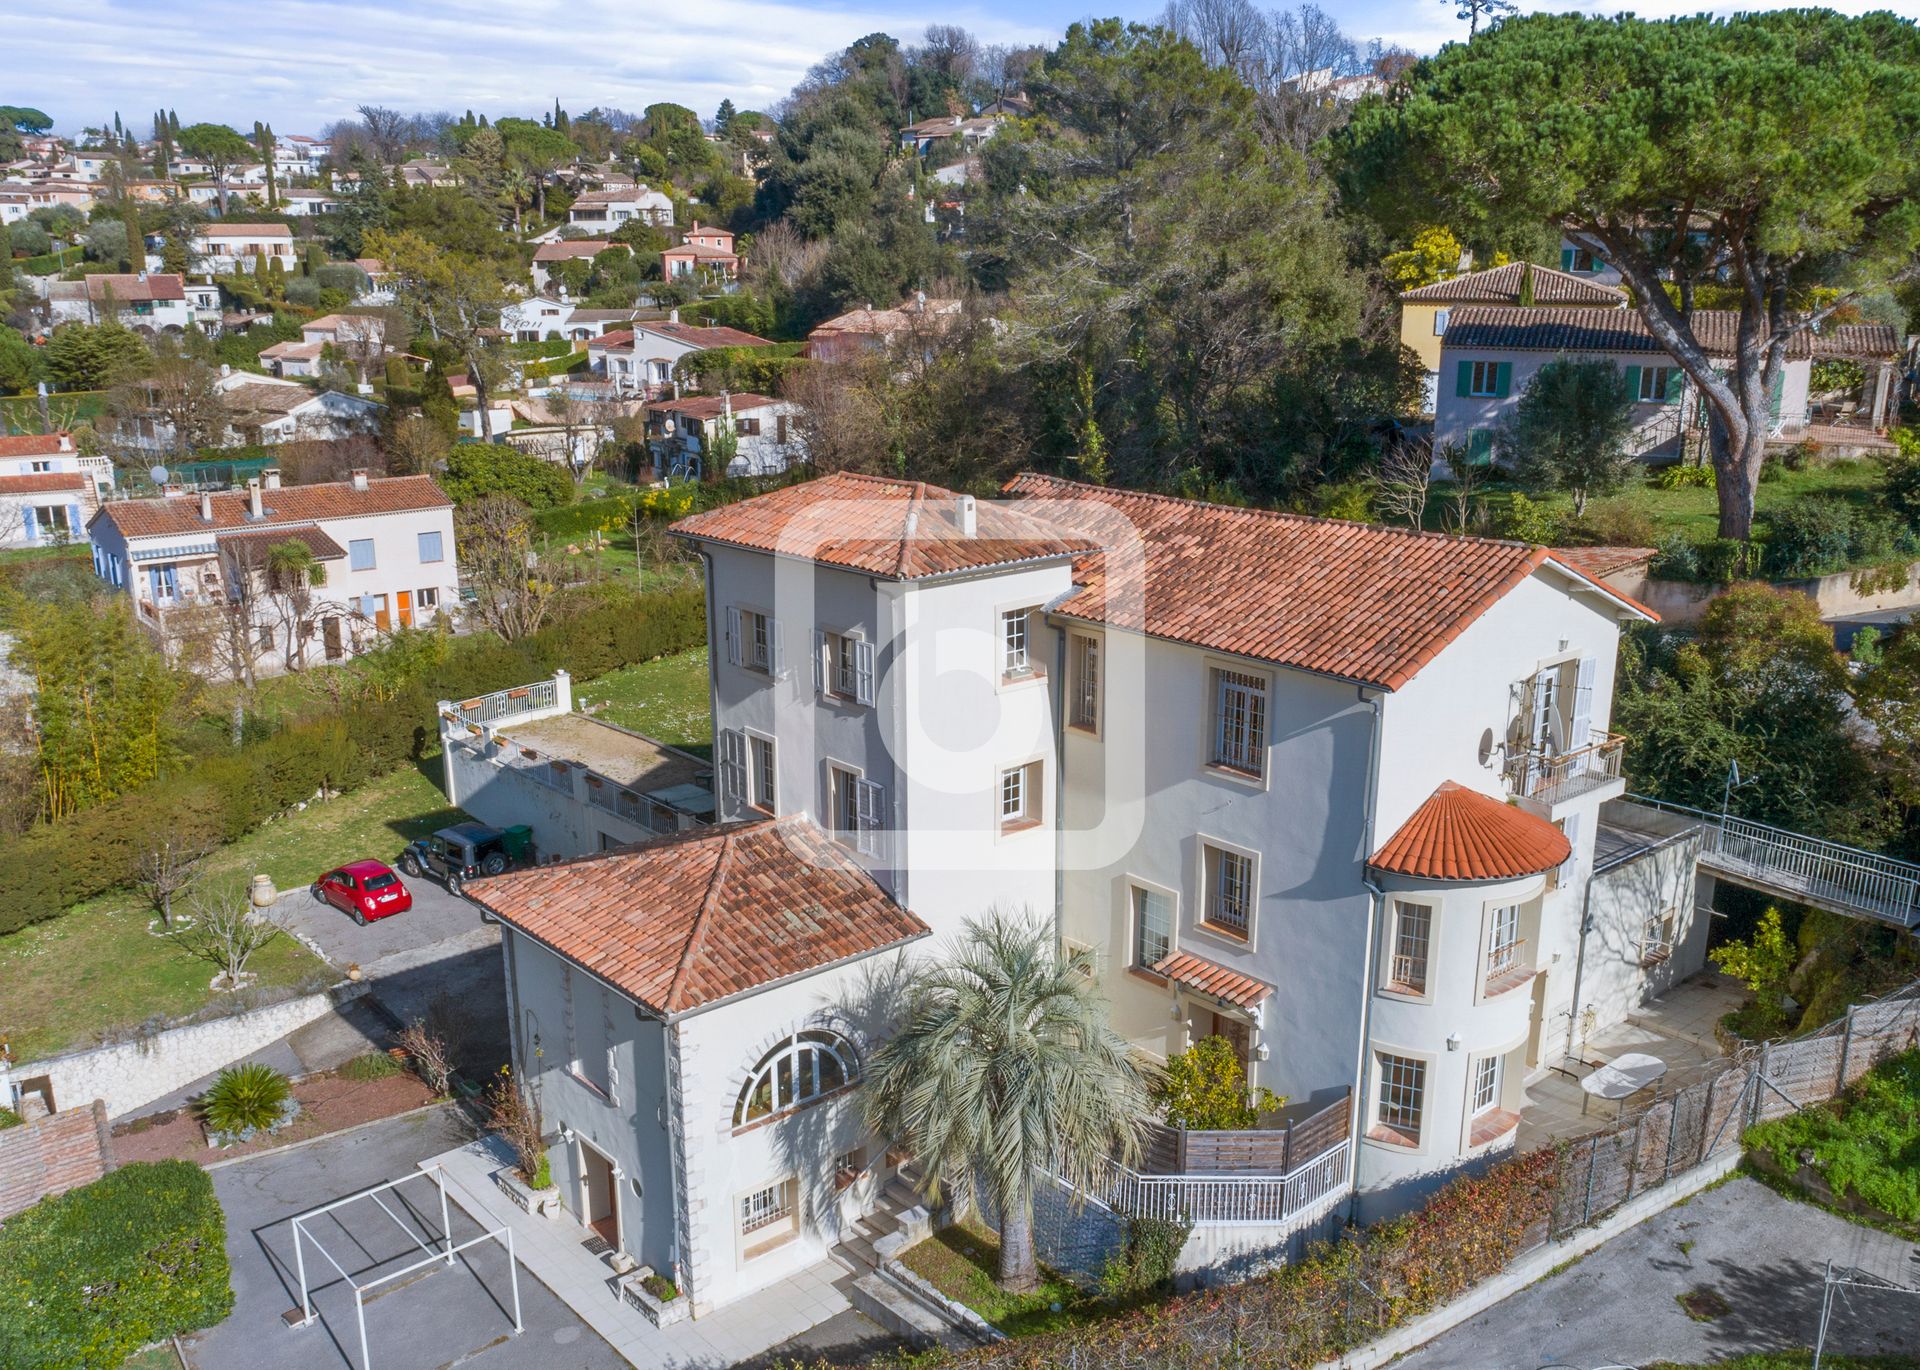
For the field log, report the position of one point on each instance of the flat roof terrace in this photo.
(626, 758)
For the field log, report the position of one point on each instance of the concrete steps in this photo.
(898, 1220)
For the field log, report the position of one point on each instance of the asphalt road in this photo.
(440, 1316)
(1762, 1254)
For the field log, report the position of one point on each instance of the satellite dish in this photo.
(158, 475)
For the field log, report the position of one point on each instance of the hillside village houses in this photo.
(385, 548)
(221, 247)
(703, 253)
(1488, 355)
(859, 331)
(48, 489)
(608, 209)
(149, 302)
(546, 318)
(568, 250)
(1340, 794)
(640, 358)
(924, 136)
(261, 409)
(355, 342)
(766, 437)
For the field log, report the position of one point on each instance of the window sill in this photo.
(1014, 679)
(1023, 825)
(1091, 730)
(1230, 934)
(1238, 774)
(1491, 1126)
(1392, 1136)
(1506, 981)
(1152, 977)
(1406, 993)
(774, 1243)
(743, 1128)
(589, 1086)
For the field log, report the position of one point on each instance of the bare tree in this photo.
(842, 423)
(387, 130)
(578, 421)
(167, 869)
(1465, 510)
(433, 1045)
(416, 445)
(181, 396)
(227, 932)
(782, 257)
(512, 591)
(1404, 481)
(1229, 33)
(1304, 53)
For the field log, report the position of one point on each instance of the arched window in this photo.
(797, 1071)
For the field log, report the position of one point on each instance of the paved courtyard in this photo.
(1759, 1252)
(438, 1317)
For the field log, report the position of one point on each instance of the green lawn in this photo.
(96, 968)
(159, 1357)
(960, 1261)
(1865, 1145)
(665, 699)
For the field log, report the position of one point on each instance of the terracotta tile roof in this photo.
(317, 542)
(688, 920)
(712, 406)
(1501, 285)
(1602, 562)
(899, 529)
(35, 444)
(137, 288)
(245, 231)
(1502, 328)
(42, 482)
(1352, 600)
(1461, 834)
(620, 337)
(281, 351)
(701, 252)
(885, 322)
(142, 518)
(697, 335)
(1196, 972)
(567, 249)
(255, 398)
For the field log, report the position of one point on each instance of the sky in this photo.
(301, 64)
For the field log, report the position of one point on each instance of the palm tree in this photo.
(518, 189)
(1007, 1063)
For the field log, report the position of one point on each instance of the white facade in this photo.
(48, 490)
(608, 209)
(222, 247)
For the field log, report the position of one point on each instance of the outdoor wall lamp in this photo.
(1453, 1041)
(1262, 1052)
(566, 1135)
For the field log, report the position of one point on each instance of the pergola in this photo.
(440, 1251)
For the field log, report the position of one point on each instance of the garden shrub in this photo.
(1863, 1144)
(1722, 561)
(1527, 520)
(372, 1065)
(1809, 537)
(1683, 477)
(1204, 1088)
(56, 866)
(8, 1118)
(1145, 1264)
(478, 469)
(96, 1273)
(246, 1100)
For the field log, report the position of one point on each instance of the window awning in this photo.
(1214, 980)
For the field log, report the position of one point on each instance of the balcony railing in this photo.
(522, 699)
(1227, 1200)
(1507, 967)
(1555, 777)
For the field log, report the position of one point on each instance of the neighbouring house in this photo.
(568, 250)
(223, 247)
(608, 209)
(1289, 799)
(1489, 354)
(923, 137)
(416, 175)
(859, 331)
(704, 253)
(765, 437)
(294, 359)
(544, 318)
(1426, 310)
(264, 409)
(189, 563)
(16, 202)
(147, 302)
(48, 489)
(641, 356)
(298, 202)
(353, 342)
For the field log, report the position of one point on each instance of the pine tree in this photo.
(724, 118)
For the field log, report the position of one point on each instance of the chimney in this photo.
(358, 476)
(254, 508)
(272, 477)
(969, 517)
(206, 507)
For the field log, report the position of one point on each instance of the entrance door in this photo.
(330, 632)
(1236, 1032)
(406, 608)
(599, 1196)
(1537, 1020)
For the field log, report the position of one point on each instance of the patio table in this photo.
(1622, 1077)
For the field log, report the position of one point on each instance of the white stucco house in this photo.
(265, 409)
(640, 357)
(608, 209)
(48, 489)
(1489, 354)
(765, 432)
(385, 548)
(222, 247)
(1337, 794)
(148, 302)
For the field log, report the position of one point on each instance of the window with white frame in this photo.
(1658, 384)
(763, 792)
(768, 1216)
(1486, 1085)
(733, 766)
(1503, 939)
(1016, 643)
(798, 1070)
(1483, 380)
(859, 810)
(430, 548)
(844, 666)
(1152, 927)
(1402, 1099)
(1240, 721)
(1085, 700)
(1020, 796)
(1440, 317)
(756, 641)
(1656, 937)
(1228, 877)
(1412, 936)
(427, 598)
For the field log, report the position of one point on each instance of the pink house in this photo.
(704, 252)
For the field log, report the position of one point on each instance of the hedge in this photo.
(89, 1277)
(57, 865)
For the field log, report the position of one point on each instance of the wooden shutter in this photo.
(1633, 384)
(1463, 380)
(1779, 389)
(863, 671)
(776, 650)
(1502, 379)
(1480, 445)
(1572, 830)
(1676, 383)
(733, 636)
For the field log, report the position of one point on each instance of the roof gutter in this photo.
(1376, 911)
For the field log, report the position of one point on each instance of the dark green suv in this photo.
(458, 854)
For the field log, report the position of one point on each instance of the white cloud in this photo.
(300, 64)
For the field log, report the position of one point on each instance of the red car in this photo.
(364, 890)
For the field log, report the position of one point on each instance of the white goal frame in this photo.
(441, 1252)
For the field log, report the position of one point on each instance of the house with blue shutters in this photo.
(48, 489)
(1489, 355)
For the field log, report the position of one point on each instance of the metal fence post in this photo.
(1593, 1160)
(1753, 1109)
(1846, 1050)
(1673, 1126)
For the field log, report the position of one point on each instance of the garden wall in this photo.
(1681, 603)
(52, 1155)
(128, 1074)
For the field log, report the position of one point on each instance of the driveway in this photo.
(1760, 1253)
(435, 917)
(437, 1317)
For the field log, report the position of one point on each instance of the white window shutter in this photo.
(733, 636)
(863, 671)
(733, 765)
(1583, 703)
(776, 649)
(613, 1079)
(870, 810)
(1572, 862)
(822, 668)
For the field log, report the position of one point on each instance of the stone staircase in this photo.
(899, 1214)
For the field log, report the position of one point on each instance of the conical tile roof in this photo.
(1461, 834)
